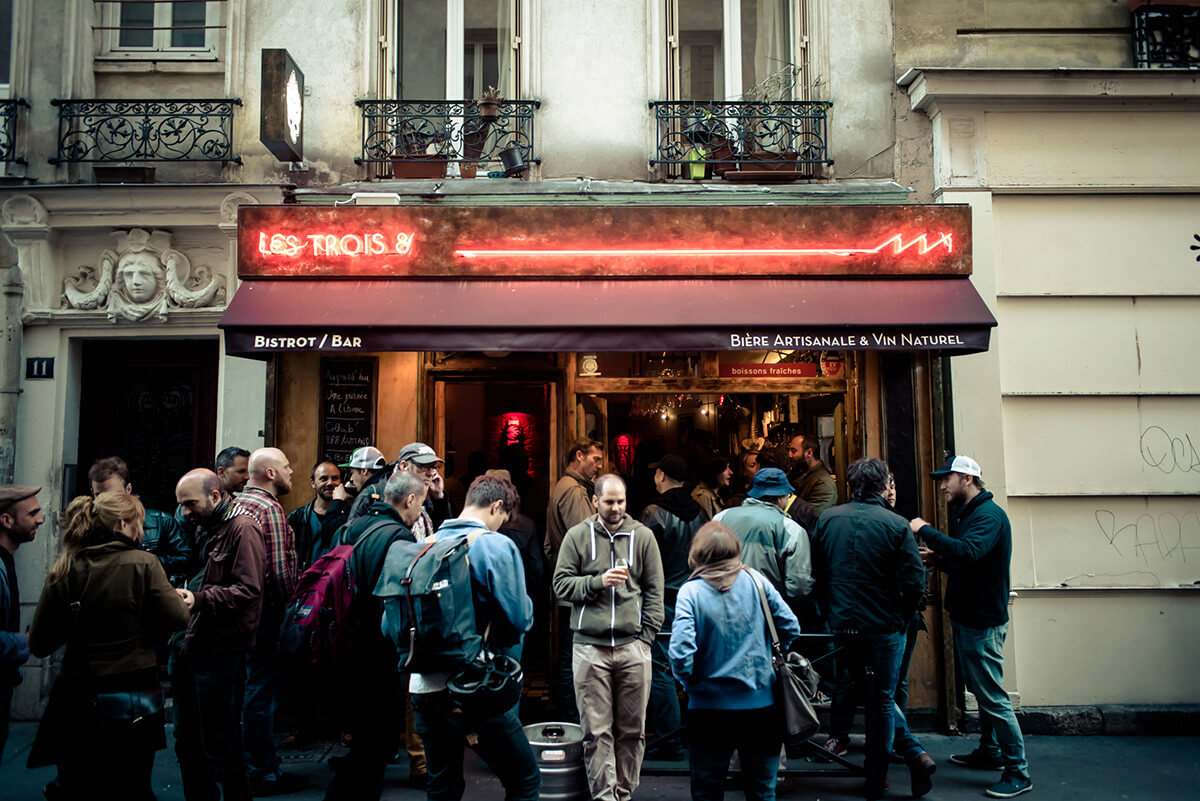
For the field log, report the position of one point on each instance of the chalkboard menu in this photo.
(347, 406)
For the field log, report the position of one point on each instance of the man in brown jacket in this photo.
(570, 503)
(208, 673)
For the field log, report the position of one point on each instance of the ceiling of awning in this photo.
(937, 314)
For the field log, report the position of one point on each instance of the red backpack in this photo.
(318, 616)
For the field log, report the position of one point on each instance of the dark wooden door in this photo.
(152, 403)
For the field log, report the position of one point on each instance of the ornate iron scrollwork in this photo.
(145, 130)
(444, 130)
(720, 133)
(8, 129)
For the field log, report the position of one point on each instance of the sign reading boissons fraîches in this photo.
(347, 406)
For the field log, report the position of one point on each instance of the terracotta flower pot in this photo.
(418, 165)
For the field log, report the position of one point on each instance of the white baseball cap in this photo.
(959, 464)
(367, 458)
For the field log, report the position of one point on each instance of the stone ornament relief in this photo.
(142, 279)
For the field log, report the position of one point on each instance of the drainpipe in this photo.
(10, 361)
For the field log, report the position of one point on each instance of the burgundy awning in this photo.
(938, 314)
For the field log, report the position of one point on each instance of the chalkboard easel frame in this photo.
(331, 365)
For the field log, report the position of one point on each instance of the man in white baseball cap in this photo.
(368, 472)
(977, 558)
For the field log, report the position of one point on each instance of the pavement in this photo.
(1091, 768)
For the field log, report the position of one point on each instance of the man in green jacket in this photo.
(610, 571)
(809, 475)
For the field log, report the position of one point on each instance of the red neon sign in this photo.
(921, 242)
(593, 241)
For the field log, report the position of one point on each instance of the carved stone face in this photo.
(140, 273)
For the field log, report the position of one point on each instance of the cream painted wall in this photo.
(1107, 540)
(1093, 445)
(1100, 244)
(1152, 147)
(1107, 647)
(1113, 345)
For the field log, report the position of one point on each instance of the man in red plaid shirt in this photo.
(270, 477)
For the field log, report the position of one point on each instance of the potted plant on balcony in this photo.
(419, 154)
(489, 104)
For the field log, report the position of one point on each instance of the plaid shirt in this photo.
(280, 578)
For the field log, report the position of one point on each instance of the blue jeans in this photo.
(874, 660)
(498, 739)
(208, 734)
(264, 671)
(714, 734)
(981, 659)
(904, 743)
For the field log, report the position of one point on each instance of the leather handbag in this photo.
(797, 680)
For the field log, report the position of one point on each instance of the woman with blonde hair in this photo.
(109, 602)
(720, 652)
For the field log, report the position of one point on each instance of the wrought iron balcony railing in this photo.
(145, 130)
(697, 137)
(8, 129)
(440, 132)
(1166, 35)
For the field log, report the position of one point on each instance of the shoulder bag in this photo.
(796, 678)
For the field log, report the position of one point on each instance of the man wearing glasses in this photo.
(422, 461)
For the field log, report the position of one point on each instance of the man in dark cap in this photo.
(424, 463)
(674, 517)
(20, 516)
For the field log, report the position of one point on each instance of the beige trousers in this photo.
(612, 687)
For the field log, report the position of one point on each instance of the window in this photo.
(6, 37)
(735, 49)
(454, 49)
(160, 30)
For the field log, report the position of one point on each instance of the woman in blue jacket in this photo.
(720, 652)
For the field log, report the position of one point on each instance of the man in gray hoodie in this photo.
(610, 571)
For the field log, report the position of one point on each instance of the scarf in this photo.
(720, 575)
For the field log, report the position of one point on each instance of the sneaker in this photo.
(1009, 786)
(921, 770)
(836, 747)
(977, 760)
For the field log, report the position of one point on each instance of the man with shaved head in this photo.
(209, 670)
(270, 477)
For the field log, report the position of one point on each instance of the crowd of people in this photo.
(673, 600)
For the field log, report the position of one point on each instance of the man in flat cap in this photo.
(20, 516)
(424, 463)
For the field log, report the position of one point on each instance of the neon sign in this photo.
(920, 242)
(576, 241)
(325, 245)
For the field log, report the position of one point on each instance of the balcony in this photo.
(422, 138)
(752, 141)
(1166, 35)
(118, 131)
(8, 130)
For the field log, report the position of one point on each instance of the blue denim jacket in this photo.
(719, 643)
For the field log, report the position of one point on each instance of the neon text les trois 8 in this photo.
(325, 245)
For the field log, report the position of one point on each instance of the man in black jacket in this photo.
(674, 517)
(315, 523)
(977, 558)
(868, 573)
(367, 473)
(377, 690)
(162, 535)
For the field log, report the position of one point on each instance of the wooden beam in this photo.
(631, 386)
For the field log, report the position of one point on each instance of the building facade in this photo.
(721, 184)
